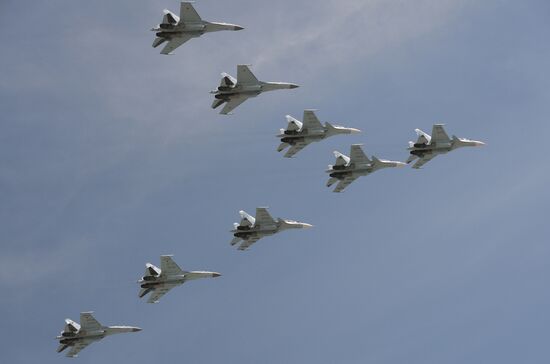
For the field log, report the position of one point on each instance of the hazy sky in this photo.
(111, 156)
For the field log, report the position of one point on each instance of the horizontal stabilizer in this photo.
(282, 147)
(144, 291)
(411, 158)
(235, 240)
(216, 103)
(158, 41)
(331, 181)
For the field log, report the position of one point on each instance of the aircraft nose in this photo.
(354, 131)
(293, 85)
(216, 275)
(237, 27)
(479, 144)
(306, 226)
(136, 329)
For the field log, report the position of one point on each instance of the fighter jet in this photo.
(348, 169)
(77, 337)
(178, 30)
(427, 147)
(236, 91)
(251, 229)
(158, 281)
(298, 135)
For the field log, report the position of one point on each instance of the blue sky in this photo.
(110, 156)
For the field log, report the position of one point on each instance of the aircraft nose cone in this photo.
(354, 131)
(238, 27)
(479, 144)
(292, 85)
(136, 329)
(216, 275)
(306, 226)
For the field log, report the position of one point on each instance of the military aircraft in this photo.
(158, 281)
(298, 135)
(427, 147)
(234, 92)
(251, 229)
(348, 169)
(77, 337)
(178, 30)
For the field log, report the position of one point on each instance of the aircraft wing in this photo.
(248, 242)
(245, 76)
(169, 267)
(88, 322)
(175, 43)
(439, 136)
(188, 13)
(77, 347)
(421, 161)
(295, 149)
(264, 219)
(344, 183)
(311, 123)
(233, 103)
(157, 293)
(357, 156)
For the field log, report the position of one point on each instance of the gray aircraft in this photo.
(427, 147)
(77, 337)
(158, 281)
(298, 135)
(178, 30)
(234, 92)
(251, 229)
(348, 169)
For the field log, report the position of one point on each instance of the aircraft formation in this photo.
(174, 31)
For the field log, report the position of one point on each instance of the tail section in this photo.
(169, 19)
(331, 181)
(217, 102)
(144, 291)
(282, 147)
(411, 158)
(62, 347)
(293, 124)
(158, 41)
(235, 241)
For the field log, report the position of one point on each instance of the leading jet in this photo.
(77, 337)
(251, 229)
(428, 147)
(348, 169)
(234, 92)
(158, 281)
(177, 30)
(299, 134)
